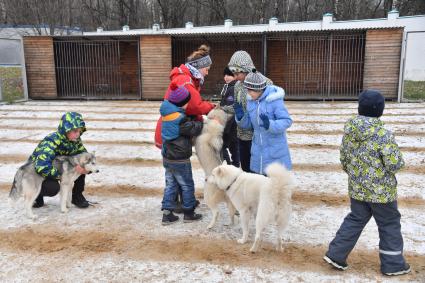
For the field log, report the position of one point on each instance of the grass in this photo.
(414, 90)
(11, 84)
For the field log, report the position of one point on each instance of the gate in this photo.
(319, 65)
(12, 70)
(413, 73)
(97, 69)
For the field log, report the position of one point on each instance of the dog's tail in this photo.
(281, 181)
(16, 190)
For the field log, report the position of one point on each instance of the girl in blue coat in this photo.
(268, 117)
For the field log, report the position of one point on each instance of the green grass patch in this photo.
(12, 88)
(414, 89)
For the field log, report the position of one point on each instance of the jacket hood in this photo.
(176, 71)
(271, 93)
(167, 108)
(361, 128)
(71, 121)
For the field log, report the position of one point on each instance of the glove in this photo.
(238, 110)
(266, 121)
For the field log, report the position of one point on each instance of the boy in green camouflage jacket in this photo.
(65, 141)
(371, 157)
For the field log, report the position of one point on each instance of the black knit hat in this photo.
(371, 103)
(228, 72)
(255, 81)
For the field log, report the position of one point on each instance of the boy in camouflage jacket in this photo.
(65, 141)
(371, 157)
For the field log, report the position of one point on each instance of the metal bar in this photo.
(329, 64)
(264, 45)
(400, 93)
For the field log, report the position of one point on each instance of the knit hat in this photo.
(179, 96)
(241, 62)
(200, 63)
(255, 81)
(228, 72)
(371, 103)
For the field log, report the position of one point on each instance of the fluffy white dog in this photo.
(269, 197)
(208, 147)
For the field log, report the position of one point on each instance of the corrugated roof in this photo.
(261, 28)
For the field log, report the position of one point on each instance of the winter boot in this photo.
(39, 202)
(79, 200)
(190, 216)
(168, 217)
(405, 270)
(335, 264)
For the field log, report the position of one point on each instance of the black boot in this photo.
(79, 201)
(168, 217)
(39, 202)
(190, 216)
(77, 193)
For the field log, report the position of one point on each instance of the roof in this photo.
(327, 24)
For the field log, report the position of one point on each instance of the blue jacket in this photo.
(177, 131)
(268, 145)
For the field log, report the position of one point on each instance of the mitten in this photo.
(266, 121)
(238, 110)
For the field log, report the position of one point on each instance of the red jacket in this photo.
(181, 76)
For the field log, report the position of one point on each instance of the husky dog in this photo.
(269, 197)
(208, 147)
(27, 182)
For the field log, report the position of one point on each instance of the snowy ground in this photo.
(121, 239)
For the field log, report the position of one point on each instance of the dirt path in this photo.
(45, 239)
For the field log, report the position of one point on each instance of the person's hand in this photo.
(266, 121)
(81, 170)
(238, 110)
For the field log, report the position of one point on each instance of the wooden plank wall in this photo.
(155, 57)
(40, 67)
(382, 61)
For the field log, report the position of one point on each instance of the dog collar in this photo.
(231, 184)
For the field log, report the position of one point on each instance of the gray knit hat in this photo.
(255, 81)
(241, 62)
(202, 62)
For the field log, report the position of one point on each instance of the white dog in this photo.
(208, 147)
(27, 182)
(269, 196)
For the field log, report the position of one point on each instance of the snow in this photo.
(121, 238)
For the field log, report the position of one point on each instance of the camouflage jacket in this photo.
(56, 144)
(240, 96)
(371, 157)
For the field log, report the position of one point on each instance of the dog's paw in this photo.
(241, 241)
(64, 210)
(33, 217)
(253, 250)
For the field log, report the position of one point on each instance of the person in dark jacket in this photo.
(230, 139)
(176, 133)
(65, 141)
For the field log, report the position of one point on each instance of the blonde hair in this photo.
(202, 51)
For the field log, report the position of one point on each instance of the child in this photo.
(65, 141)
(177, 132)
(267, 116)
(230, 139)
(370, 157)
(241, 65)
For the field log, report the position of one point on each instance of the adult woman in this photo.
(191, 76)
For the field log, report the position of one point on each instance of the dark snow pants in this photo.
(387, 218)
